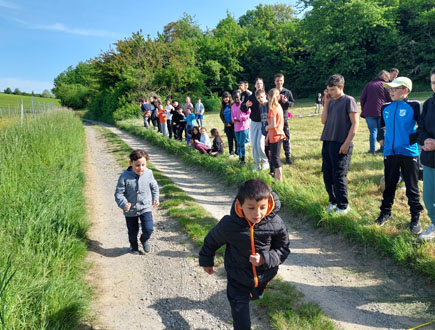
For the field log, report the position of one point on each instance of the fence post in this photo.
(22, 112)
(39, 105)
(33, 105)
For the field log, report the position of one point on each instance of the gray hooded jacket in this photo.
(140, 191)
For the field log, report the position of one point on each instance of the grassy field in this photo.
(303, 190)
(42, 223)
(10, 101)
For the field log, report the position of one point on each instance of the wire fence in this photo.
(21, 111)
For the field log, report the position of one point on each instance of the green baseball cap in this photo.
(400, 81)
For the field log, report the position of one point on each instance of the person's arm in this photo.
(324, 115)
(354, 119)
(120, 198)
(213, 241)
(381, 131)
(363, 97)
(279, 249)
(243, 116)
(423, 134)
(154, 190)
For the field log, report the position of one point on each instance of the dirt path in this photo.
(164, 289)
(357, 288)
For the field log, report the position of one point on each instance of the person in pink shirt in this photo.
(241, 125)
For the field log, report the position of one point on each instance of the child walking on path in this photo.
(241, 125)
(136, 193)
(257, 243)
(275, 132)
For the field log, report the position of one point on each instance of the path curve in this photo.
(357, 288)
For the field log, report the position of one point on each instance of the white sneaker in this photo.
(342, 211)
(428, 233)
(256, 167)
(331, 207)
(265, 167)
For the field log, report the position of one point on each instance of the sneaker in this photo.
(380, 150)
(370, 152)
(383, 219)
(256, 167)
(265, 167)
(428, 233)
(330, 208)
(288, 161)
(146, 246)
(134, 251)
(342, 211)
(415, 226)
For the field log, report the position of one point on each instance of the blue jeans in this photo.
(373, 124)
(146, 222)
(429, 191)
(198, 119)
(241, 141)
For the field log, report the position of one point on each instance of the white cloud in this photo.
(8, 5)
(84, 32)
(25, 85)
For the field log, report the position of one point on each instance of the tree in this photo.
(8, 91)
(47, 93)
(17, 91)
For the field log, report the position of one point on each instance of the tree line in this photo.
(16, 91)
(356, 38)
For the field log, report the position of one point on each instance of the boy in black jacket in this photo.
(257, 243)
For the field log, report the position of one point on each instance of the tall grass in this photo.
(43, 222)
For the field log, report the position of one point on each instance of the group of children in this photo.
(256, 237)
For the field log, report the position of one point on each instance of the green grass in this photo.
(282, 302)
(43, 222)
(303, 192)
(13, 102)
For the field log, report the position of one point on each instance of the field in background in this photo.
(10, 101)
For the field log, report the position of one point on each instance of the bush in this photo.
(212, 103)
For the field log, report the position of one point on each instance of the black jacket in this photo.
(426, 129)
(290, 102)
(218, 145)
(270, 240)
(255, 108)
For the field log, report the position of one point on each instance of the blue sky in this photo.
(40, 39)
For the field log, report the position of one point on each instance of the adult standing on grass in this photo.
(286, 101)
(257, 138)
(426, 138)
(398, 135)
(374, 95)
(340, 117)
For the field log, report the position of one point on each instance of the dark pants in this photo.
(146, 221)
(231, 136)
(156, 123)
(239, 297)
(275, 154)
(334, 168)
(409, 167)
(169, 124)
(286, 143)
(180, 130)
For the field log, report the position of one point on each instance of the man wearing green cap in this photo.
(398, 135)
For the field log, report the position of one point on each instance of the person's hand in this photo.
(344, 149)
(127, 207)
(429, 144)
(156, 203)
(284, 98)
(236, 120)
(256, 260)
(209, 270)
(382, 143)
(249, 104)
(327, 97)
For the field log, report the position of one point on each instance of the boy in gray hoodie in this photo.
(136, 193)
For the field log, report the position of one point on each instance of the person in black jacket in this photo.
(256, 244)
(426, 138)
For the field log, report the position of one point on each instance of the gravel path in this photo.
(165, 289)
(356, 287)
